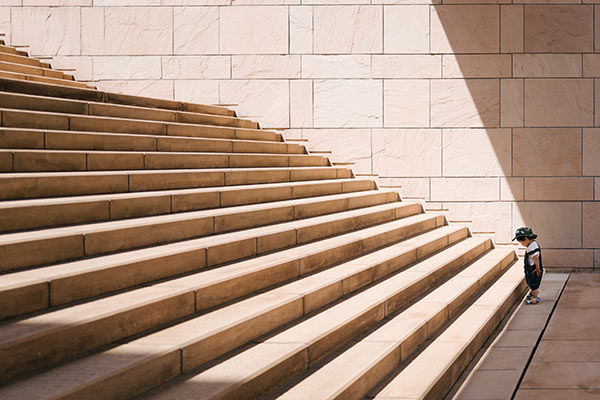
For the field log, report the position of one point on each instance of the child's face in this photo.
(524, 241)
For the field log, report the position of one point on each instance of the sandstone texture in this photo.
(444, 89)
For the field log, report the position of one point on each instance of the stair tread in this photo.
(446, 348)
(66, 269)
(50, 104)
(269, 229)
(74, 278)
(148, 125)
(235, 143)
(169, 218)
(89, 93)
(300, 334)
(18, 215)
(157, 171)
(76, 160)
(172, 192)
(103, 237)
(311, 330)
(304, 335)
(357, 361)
(40, 79)
(169, 153)
(69, 376)
(17, 59)
(74, 319)
(31, 69)
(205, 326)
(79, 314)
(7, 49)
(313, 282)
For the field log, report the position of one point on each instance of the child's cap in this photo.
(525, 232)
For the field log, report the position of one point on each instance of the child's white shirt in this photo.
(534, 250)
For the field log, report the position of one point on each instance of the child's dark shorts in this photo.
(533, 281)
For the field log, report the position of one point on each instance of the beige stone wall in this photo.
(488, 110)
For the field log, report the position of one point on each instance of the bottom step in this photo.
(449, 354)
(253, 373)
(367, 362)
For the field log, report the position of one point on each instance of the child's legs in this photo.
(533, 281)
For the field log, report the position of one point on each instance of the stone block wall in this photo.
(489, 108)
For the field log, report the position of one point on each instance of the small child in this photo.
(534, 269)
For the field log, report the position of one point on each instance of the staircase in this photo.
(170, 250)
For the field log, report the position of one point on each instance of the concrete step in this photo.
(253, 373)
(27, 249)
(38, 341)
(53, 184)
(450, 353)
(59, 91)
(16, 59)
(201, 338)
(52, 104)
(37, 79)
(42, 213)
(373, 357)
(7, 49)
(72, 160)
(231, 282)
(32, 290)
(31, 70)
(57, 121)
(21, 138)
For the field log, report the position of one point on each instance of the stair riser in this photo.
(165, 367)
(445, 382)
(56, 186)
(25, 69)
(195, 353)
(34, 79)
(221, 292)
(110, 98)
(200, 352)
(127, 274)
(51, 90)
(28, 217)
(259, 386)
(29, 355)
(21, 300)
(188, 118)
(40, 120)
(387, 361)
(131, 382)
(24, 102)
(23, 161)
(379, 371)
(7, 49)
(316, 351)
(137, 101)
(19, 59)
(324, 346)
(52, 140)
(378, 241)
(101, 242)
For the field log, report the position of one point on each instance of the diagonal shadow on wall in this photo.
(516, 109)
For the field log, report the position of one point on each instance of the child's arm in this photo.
(536, 261)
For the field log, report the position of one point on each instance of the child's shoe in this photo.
(533, 300)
